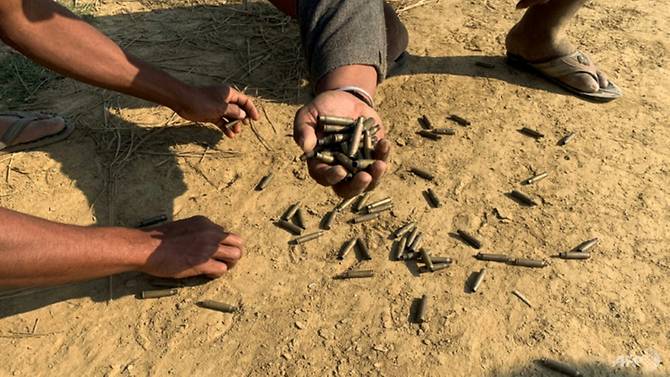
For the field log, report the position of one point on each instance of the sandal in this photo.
(16, 128)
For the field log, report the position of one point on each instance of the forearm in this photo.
(36, 252)
(54, 37)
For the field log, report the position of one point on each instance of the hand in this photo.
(529, 3)
(304, 132)
(218, 105)
(192, 247)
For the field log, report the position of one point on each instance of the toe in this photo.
(603, 82)
(582, 81)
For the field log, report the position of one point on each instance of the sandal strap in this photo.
(576, 62)
(15, 130)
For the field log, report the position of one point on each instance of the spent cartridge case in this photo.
(432, 197)
(356, 136)
(334, 129)
(404, 229)
(369, 123)
(522, 297)
(373, 132)
(159, 293)
(335, 120)
(379, 203)
(426, 259)
(363, 164)
(523, 262)
(416, 243)
(411, 236)
(409, 255)
(574, 255)
(307, 155)
(469, 239)
(346, 248)
(344, 204)
(567, 138)
(425, 122)
(367, 145)
(436, 267)
(287, 225)
(166, 283)
(362, 201)
(446, 260)
(229, 126)
(523, 198)
(218, 306)
(536, 178)
(307, 237)
(152, 221)
(356, 274)
(328, 220)
(382, 208)
(345, 161)
(422, 173)
(325, 157)
(478, 280)
(290, 212)
(444, 131)
(299, 218)
(265, 181)
(364, 218)
(493, 257)
(363, 249)
(421, 310)
(587, 245)
(460, 120)
(484, 65)
(332, 139)
(560, 367)
(428, 134)
(400, 251)
(531, 132)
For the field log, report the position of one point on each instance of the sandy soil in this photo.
(121, 166)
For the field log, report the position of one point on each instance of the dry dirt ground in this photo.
(123, 165)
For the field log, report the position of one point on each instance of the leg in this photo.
(538, 37)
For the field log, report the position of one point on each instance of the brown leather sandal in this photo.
(24, 119)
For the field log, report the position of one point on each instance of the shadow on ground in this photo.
(587, 369)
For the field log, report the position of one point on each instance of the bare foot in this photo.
(536, 48)
(33, 131)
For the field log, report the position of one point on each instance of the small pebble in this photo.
(300, 325)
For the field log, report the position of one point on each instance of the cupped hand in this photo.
(219, 105)
(305, 133)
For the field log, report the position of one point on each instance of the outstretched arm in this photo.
(51, 35)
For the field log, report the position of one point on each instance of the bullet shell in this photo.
(373, 132)
(522, 297)
(333, 129)
(159, 293)
(229, 126)
(404, 229)
(218, 306)
(166, 283)
(429, 135)
(523, 198)
(369, 123)
(378, 203)
(335, 121)
(432, 197)
(536, 178)
(362, 164)
(382, 208)
(425, 258)
(531, 132)
(265, 181)
(344, 147)
(421, 310)
(587, 245)
(344, 204)
(436, 267)
(287, 225)
(493, 257)
(152, 221)
(484, 65)
(574, 255)
(307, 155)
(411, 236)
(362, 201)
(445, 260)
(356, 136)
(415, 246)
(328, 220)
(422, 173)
(367, 145)
(409, 255)
(444, 131)
(462, 121)
(364, 218)
(566, 139)
(363, 249)
(560, 367)
(425, 122)
(356, 274)
(346, 248)
(469, 239)
(478, 280)
(307, 237)
(345, 161)
(529, 263)
(332, 139)
(290, 211)
(400, 250)
(299, 219)
(325, 157)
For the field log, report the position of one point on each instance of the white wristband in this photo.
(359, 93)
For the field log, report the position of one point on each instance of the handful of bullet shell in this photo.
(347, 142)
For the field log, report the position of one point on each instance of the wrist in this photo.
(182, 97)
(132, 247)
(361, 76)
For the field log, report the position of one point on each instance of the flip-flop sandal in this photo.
(397, 66)
(555, 69)
(13, 132)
